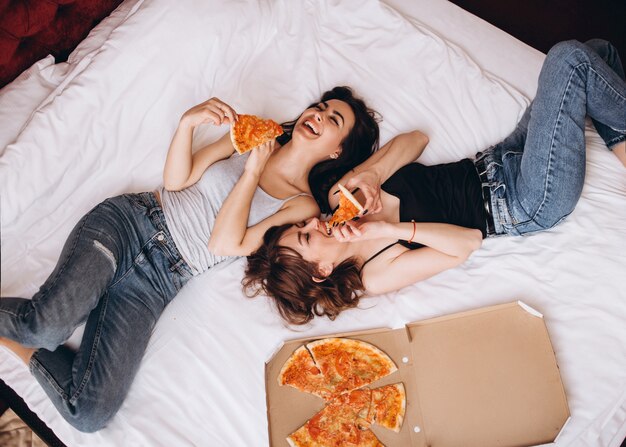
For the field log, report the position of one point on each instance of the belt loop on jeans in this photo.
(156, 215)
(485, 188)
(154, 209)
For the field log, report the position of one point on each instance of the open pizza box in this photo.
(486, 377)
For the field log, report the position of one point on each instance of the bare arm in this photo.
(369, 175)
(231, 236)
(447, 246)
(182, 168)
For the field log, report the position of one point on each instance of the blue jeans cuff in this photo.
(615, 141)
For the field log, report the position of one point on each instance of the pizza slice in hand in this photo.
(250, 131)
(349, 207)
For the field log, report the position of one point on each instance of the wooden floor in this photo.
(11, 403)
(15, 433)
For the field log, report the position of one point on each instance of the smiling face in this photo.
(325, 126)
(310, 240)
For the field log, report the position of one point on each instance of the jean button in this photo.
(160, 238)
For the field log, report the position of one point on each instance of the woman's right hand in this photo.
(214, 111)
(259, 156)
(353, 231)
(369, 184)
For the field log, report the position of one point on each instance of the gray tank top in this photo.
(190, 214)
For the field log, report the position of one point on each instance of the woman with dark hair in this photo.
(130, 255)
(434, 217)
(327, 172)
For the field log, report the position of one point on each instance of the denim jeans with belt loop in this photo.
(536, 174)
(118, 270)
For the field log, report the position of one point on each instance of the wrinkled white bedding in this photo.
(427, 66)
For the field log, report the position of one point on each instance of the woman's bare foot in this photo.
(22, 352)
(620, 151)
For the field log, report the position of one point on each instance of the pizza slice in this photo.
(349, 207)
(348, 364)
(388, 406)
(301, 372)
(250, 131)
(337, 424)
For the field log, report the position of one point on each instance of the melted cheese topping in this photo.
(250, 131)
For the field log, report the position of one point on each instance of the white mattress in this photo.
(426, 65)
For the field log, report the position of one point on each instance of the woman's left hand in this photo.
(259, 156)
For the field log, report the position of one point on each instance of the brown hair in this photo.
(359, 144)
(281, 273)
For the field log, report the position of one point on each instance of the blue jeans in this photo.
(536, 175)
(118, 270)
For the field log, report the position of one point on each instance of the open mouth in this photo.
(328, 228)
(311, 127)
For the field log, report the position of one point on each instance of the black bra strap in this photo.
(377, 253)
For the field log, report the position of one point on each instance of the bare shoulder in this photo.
(376, 272)
(303, 202)
(297, 209)
(402, 267)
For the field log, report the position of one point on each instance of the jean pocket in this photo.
(136, 201)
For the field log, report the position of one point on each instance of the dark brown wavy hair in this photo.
(281, 273)
(359, 144)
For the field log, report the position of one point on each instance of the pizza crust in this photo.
(232, 139)
(364, 350)
(388, 413)
(250, 131)
(349, 207)
(302, 373)
(350, 197)
(345, 367)
(336, 424)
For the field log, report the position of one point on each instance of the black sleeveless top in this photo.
(446, 193)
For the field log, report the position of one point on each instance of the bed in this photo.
(100, 125)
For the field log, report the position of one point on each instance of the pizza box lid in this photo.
(486, 377)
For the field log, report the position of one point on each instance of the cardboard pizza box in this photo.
(486, 377)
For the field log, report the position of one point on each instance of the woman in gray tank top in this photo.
(130, 255)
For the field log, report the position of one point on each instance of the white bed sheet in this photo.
(40, 83)
(426, 65)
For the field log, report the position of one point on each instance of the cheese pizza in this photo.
(301, 372)
(338, 370)
(349, 207)
(337, 424)
(348, 364)
(388, 406)
(331, 366)
(250, 131)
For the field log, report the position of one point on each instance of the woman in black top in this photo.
(438, 209)
(529, 182)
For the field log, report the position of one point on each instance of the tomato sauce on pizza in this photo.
(250, 131)
(338, 370)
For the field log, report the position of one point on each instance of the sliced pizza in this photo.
(301, 372)
(250, 131)
(337, 424)
(388, 406)
(348, 364)
(349, 207)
